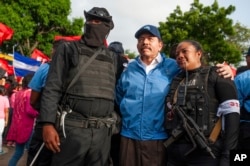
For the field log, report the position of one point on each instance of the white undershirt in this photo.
(153, 64)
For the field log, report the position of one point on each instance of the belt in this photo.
(88, 123)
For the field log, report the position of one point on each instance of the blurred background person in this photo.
(247, 67)
(4, 111)
(22, 121)
(118, 49)
(12, 96)
(242, 84)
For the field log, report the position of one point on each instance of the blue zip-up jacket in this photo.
(141, 98)
(39, 78)
(242, 84)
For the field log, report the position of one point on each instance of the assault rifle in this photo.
(189, 127)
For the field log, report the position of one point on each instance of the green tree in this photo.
(131, 55)
(210, 26)
(36, 22)
(242, 37)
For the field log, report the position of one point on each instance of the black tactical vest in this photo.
(98, 79)
(197, 102)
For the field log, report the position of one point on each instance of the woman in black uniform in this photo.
(205, 98)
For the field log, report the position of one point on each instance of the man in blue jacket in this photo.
(140, 94)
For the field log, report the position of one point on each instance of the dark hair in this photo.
(2, 90)
(196, 45)
(2, 72)
(27, 78)
(172, 52)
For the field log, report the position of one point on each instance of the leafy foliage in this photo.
(210, 26)
(36, 22)
(242, 37)
(131, 55)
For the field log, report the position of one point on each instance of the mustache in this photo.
(145, 47)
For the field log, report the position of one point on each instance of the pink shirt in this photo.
(4, 103)
(12, 99)
(23, 118)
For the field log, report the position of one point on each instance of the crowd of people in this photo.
(18, 116)
(67, 111)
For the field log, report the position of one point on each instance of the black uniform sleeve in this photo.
(53, 88)
(230, 137)
(225, 90)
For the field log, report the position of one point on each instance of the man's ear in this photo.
(161, 46)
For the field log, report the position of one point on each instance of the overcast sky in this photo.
(130, 15)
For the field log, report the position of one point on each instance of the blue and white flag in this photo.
(24, 65)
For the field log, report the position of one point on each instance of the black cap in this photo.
(100, 14)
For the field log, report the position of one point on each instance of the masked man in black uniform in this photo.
(84, 134)
(198, 101)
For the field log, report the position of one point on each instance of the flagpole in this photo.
(14, 46)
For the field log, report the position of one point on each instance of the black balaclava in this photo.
(95, 34)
